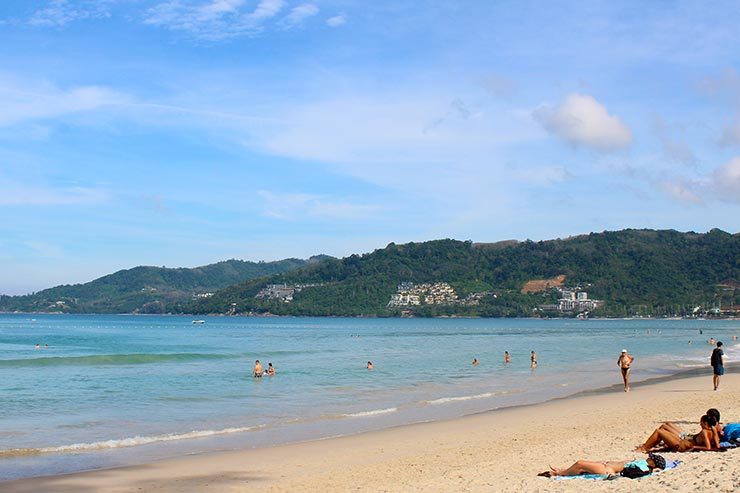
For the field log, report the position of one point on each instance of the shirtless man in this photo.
(533, 359)
(257, 369)
(624, 362)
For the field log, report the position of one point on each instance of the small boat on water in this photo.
(198, 322)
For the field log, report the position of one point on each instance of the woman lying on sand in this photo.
(628, 468)
(706, 439)
(676, 430)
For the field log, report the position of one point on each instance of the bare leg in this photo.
(671, 427)
(582, 467)
(671, 440)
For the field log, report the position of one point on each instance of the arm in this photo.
(704, 442)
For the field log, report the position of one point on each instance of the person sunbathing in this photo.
(627, 468)
(706, 439)
(717, 432)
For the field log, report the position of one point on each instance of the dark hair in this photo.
(634, 471)
(719, 343)
(713, 413)
(709, 420)
(658, 460)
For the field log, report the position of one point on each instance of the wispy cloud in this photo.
(681, 191)
(499, 86)
(59, 13)
(298, 15)
(582, 121)
(289, 206)
(336, 21)
(18, 194)
(725, 181)
(730, 135)
(22, 100)
(213, 20)
(674, 149)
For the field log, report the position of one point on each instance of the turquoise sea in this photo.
(116, 390)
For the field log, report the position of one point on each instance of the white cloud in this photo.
(499, 86)
(18, 194)
(681, 191)
(59, 13)
(730, 135)
(23, 101)
(213, 20)
(296, 205)
(542, 176)
(674, 149)
(582, 121)
(725, 181)
(299, 14)
(336, 21)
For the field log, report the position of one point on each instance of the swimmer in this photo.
(533, 359)
(37, 346)
(369, 365)
(507, 359)
(475, 362)
(257, 369)
(270, 369)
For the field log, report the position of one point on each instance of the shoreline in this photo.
(439, 444)
(353, 317)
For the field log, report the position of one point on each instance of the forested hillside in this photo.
(645, 272)
(146, 289)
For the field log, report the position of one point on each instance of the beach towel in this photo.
(732, 432)
(671, 464)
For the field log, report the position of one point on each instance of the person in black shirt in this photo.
(717, 364)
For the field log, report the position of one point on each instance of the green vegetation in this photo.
(637, 272)
(146, 289)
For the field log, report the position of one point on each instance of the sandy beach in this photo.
(495, 451)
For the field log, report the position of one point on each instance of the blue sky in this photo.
(183, 132)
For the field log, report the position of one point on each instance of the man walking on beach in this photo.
(717, 362)
(624, 362)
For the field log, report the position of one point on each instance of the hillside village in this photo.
(438, 293)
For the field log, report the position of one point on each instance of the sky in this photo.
(184, 132)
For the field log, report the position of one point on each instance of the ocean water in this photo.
(117, 390)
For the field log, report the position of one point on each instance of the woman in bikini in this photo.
(704, 440)
(608, 468)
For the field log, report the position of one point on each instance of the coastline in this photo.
(500, 450)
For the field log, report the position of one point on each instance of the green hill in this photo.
(643, 272)
(147, 289)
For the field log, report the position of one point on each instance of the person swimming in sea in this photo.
(507, 359)
(258, 370)
(369, 365)
(270, 370)
(475, 362)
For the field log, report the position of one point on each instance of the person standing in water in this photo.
(369, 365)
(624, 362)
(257, 373)
(507, 359)
(533, 359)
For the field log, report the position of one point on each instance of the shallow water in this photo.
(113, 390)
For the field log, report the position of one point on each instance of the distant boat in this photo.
(198, 322)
